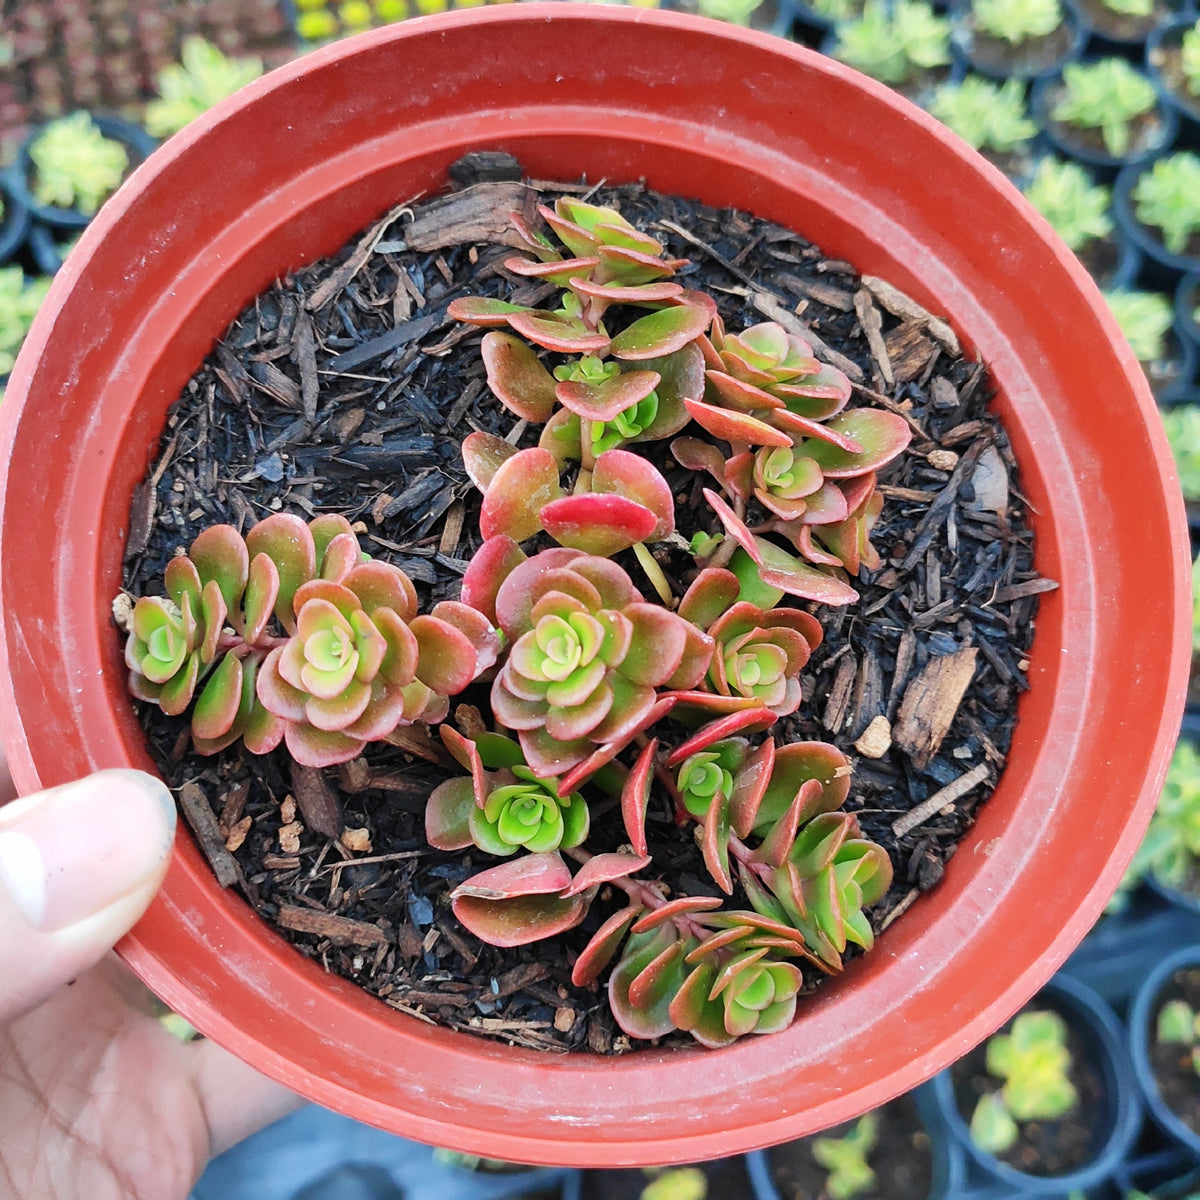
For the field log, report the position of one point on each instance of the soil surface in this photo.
(1124, 27)
(1033, 56)
(1167, 60)
(1178, 1083)
(345, 388)
(901, 1160)
(1044, 1147)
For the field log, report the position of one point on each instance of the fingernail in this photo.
(70, 852)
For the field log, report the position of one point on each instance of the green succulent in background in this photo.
(1196, 607)
(845, 1158)
(1167, 197)
(75, 165)
(837, 10)
(1034, 1062)
(676, 1183)
(192, 86)
(1017, 21)
(20, 299)
(1130, 8)
(1189, 58)
(1144, 318)
(1107, 95)
(735, 12)
(894, 46)
(1182, 424)
(1172, 842)
(1179, 1024)
(986, 115)
(1063, 192)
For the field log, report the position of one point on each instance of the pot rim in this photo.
(653, 1106)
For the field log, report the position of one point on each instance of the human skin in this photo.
(97, 1098)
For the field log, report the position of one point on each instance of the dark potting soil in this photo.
(1044, 1147)
(1171, 1063)
(1145, 130)
(345, 388)
(1033, 55)
(901, 1159)
(1123, 27)
(1167, 60)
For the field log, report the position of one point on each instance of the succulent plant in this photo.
(1130, 8)
(1034, 1062)
(736, 12)
(1065, 195)
(1182, 424)
(1166, 196)
(75, 165)
(1017, 21)
(1189, 58)
(194, 85)
(676, 1183)
(986, 115)
(1108, 95)
(893, 44)
(20, 298)
(588, 656)
(1171, 844)
(356, 661)
(1177, 1023)
(846, 1159)
(1144, 318)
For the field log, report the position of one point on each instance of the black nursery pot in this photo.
(1163, 63)
(1033, 59)
(728, 1179)
(136, 141)
(1117, 1122)
(1160, 268)
(947, 1167)
(1109, 32)
(1187, 301)
(1142, 1017)
(48, 245)
(14, 224)
(1152, 133)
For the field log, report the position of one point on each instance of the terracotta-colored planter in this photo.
(286, 172)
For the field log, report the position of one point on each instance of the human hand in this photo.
(97, 1098)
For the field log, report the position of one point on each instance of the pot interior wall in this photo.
(292, 168)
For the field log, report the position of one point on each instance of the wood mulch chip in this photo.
(345, 388)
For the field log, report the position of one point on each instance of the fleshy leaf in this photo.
(518, 901)
(220, 554)
(604, 868)
(883, 435)
(520, 490)
(680, 906)
(630, 475)
(482, 310)
(262, 590)
(483, 455)
(605, 400)
(599, 951)
(635, 796)
(219, 699)
(596, 523)
(517, 377)
(777, 568)
(448, 813)
(553, 331)
(490, 566)
(289, 543)
(445, 655)
(661, 332)
(736, 427)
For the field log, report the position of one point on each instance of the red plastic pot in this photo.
(286, 172)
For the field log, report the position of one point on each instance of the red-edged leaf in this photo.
(262, 590)
(640, 293)
(519, 921)
(324, 528)
(603, 944)
(482, 310)
(605, 753)
(697, 455)
(691, 1011)
(517, 377)
(381, 585)
(661, 332)
(182, 579)
(714, 842)
(635, 795)
(466, 752)
(521, 488)
(623, 473)
(483, 455)
(777, 845)
(604, 868)
(603, 401)
(213, 613)
(796, 765)
(490, 566)
(561, 435)
(882, 435)
(445, 655)
(659, 953)
(801, 428)
(735, 526)
(679, 907)
(777, 568)
(339, 557)
(219, 699)
(681, 376)
(312, 747)
(737, 395)
(448, 814)
(745, 720)
(474, 626)
(712, 592)
(529, 875)
(219, 553)
(749, 784)
(557, 271)
(288, 542)
(552, 331)
(596, 523)
(739, 428)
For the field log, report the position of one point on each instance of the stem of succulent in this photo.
(655, 574)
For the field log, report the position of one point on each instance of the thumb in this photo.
(79, 864)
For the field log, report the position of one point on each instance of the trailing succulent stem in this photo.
(608, 700)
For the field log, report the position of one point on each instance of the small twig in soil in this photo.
(940, 799)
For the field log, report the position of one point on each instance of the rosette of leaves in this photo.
(355, 659)
(75, 165)
(192, 86)
(1034, 1062)
(1178, 1024)
(847, 1158)
(758, 653)
(1106, 95)
(587, 656)
(1189, 58)
(502, 806)
(1166, 196)
(1144, 318)
(986, 115)
(626, 387)
(894, 43)
(1017, 21)
(1075, 206)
